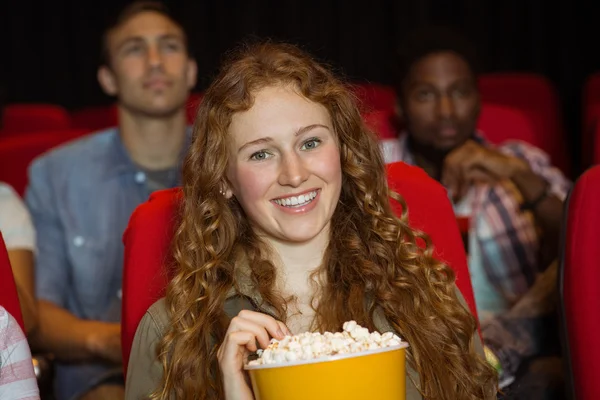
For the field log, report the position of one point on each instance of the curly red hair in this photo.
(373, 260)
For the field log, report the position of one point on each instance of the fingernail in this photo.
(280, 333)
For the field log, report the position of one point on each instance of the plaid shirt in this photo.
(507, 236)
(17, 379)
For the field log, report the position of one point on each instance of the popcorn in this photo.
(312, 345)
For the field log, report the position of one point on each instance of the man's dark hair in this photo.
(427, 40)
(129, 12)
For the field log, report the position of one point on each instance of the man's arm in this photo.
(519, 333)
(21, 261)
(72, 339)
(60, 332)
(529, 168)
(545, 188)
(548, 211)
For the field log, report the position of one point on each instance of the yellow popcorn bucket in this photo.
(373, 374)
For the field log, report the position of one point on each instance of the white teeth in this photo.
(294, 201)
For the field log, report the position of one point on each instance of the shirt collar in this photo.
(244, 284)
(120, 162)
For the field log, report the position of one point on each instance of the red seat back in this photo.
(591, 89)
(594, 144)
(374, 97)
(95, 118)
(103, 117)
(591, 117)
(150, 229)
(145, 277)
(35, 117)
(590, 139)
(8, 291)
(383, 123)
(591, 97)
(580, 285)
(191, 108)
(17, 152)
(501, 123)
(537, 97)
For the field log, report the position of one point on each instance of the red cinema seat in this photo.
(579, 286)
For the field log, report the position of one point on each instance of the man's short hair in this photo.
(428, 40)
(135, 8)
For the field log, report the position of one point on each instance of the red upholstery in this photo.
(382, 122)
(590, 139)
(373, 97)
(591, 89)
(535, 96)
(35, 117)
(147, 240)
(594, 144)
(591, 99)
(430, 210)
(96, 118)
(591, 120)
(591, 112)
(501, 123)
(191, 107)
(103, 117)
(151, 226)
(8, 291)
(580, 284)
(16, 153)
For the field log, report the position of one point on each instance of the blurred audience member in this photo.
(512, 193)
(19, 236)
(82, 195)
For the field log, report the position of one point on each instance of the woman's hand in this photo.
(245, 331)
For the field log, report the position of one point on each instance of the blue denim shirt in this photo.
(81, 196)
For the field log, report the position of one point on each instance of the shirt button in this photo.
(78, 241)
(140, 177)
(120, 293)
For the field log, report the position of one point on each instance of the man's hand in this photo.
(105, 342)
(472, 163)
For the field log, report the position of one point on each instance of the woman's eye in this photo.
(260, 155)
(311, 144)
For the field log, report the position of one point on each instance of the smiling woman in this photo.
(286, 228)
(283, 152)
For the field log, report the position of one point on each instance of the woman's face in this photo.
(284, 165)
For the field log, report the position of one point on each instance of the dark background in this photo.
(50, 49)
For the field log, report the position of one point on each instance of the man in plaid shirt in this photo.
(512, 193)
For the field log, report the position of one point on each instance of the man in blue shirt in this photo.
(81, 196)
